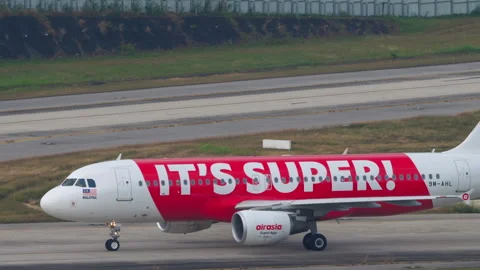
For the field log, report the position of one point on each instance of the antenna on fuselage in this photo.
(345, 152)
(119, 156)
(433, 150)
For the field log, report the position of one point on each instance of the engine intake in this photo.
(251, 227)
(184, 226)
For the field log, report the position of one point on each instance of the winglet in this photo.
(119, 156)
(471, 145)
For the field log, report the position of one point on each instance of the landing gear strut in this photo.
(113, 244)
(314, 240)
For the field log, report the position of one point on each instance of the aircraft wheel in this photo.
(317, 242)
(305, 240)
(112, 245)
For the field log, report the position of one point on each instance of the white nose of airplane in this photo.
(47, 203)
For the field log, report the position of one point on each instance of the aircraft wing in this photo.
(343, 203)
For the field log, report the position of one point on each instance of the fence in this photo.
(424, 8)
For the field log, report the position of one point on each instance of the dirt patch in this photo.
(61, 35)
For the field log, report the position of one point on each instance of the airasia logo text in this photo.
(263, 227)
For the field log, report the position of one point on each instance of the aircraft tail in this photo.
(471, 145)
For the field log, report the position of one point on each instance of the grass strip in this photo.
(22, 183)
(421, 42)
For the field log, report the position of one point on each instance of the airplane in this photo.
(265, 198)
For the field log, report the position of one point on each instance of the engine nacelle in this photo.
(184, 226)
(252, 227)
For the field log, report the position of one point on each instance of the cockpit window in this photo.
(91, 183)
(69, 182)
(81, 183)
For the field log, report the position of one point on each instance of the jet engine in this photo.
(184, 226)
(251, 227)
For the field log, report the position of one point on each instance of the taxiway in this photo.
(401, 239)
(55, 125)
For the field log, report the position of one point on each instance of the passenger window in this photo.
(276, 179)
(200, 182)
(140, 183)
(415, 176)
(155, 183)
(386, 177)
(170, 182)
(207, 182)
(81, 183)
(408, 177)
(401, 176)
(313, 179)
(185, 182)
(192, 182)
(163, 182)
(335, 178)
(438, 176)
(148, 183)
(237, 180)
(178, 182)
(430, 176)
(364, 178)
(69, 182)
(423, 176)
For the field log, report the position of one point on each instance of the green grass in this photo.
(23, 182)
(421, 41)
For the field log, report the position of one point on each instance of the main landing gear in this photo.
(314, 240)
(113, 244)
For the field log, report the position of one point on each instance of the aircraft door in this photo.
(124, 184)
(463, 171)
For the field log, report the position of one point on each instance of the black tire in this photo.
(317, 242)
(306, 242)
(112, 245)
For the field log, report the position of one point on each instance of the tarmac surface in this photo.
(403, 240)
(54, 125)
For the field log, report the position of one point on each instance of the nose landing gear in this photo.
(113, 244)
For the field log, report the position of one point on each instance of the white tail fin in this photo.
(471, 145)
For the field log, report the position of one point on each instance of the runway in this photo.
(55, 125)
(388, 240)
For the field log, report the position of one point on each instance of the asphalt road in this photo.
(234, 88)
(81, 122)
(370, 241)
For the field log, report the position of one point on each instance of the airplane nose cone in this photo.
(47, 203)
